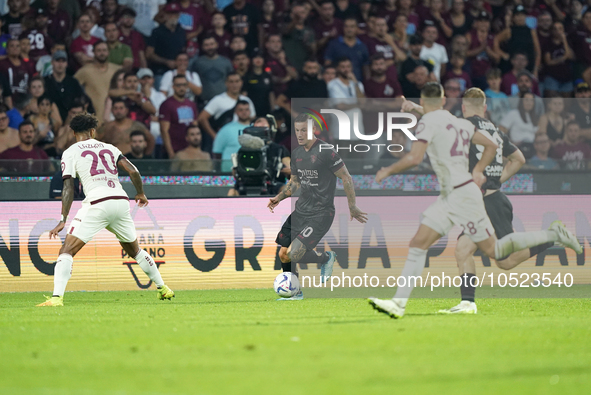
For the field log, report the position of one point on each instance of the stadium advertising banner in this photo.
(230, 243)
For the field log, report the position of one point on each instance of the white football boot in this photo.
(465, 307)
(390, 307)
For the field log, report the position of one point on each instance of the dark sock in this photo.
(467, 291)
(542, 247)
(286, 266)
(312, 257)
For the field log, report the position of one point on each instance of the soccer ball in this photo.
(286, 284)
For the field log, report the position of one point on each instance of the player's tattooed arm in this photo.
(67, 199)
(354, 211)
(136, 180)
(292, 186)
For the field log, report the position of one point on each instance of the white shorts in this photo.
(112, 214)
(463, 207)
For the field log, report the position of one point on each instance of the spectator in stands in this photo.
(326, 27)
(219, 32)
(520, 38)
(458, 20)
(147, 11)
(481, 53)
(497, 102)
(192, 19)
(4, 37)
(138, 145)
(558, 56)
(307, 86)
(117, 84)
(433, 52)
(378, 40)
(140, 107)
(37, 90)
(8, 136)
(525, 84)
(509, 85)
(118, 132)
(95, 30)
(226, 141)
(220, 110)
(96, 76)
(82, 46)
(109, 12)
(176, 114)
(212, 68)
(119, 53)
(43, 65)
(400, 32)
(18, 71)
(192, 158)
(541, 160)
(298, 36)
(456, 72)
(65, 136)
(25, 150)
(453, 94)
(573, 152)
(182, 63)
(279, 68)
(380, 84)
(435, 16)
(349, 46)
(258, 86)
(19, 112)
(133, 38)
(345, 90)
(243, 19)
(405, 7)
(346, 9)
(46, 125)
(407, 68)
(59, 24)
(521, 124)
(552, 122)
(40, 42)
(581, 108)
(25, 47)
(417, 80)
(63, 89)
(146, 78)
(167, 41)
(11, 22)
(544, 30)
(237, 43)
(268, 21)
(328, 74)
(241, 63)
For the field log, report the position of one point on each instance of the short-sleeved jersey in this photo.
(495, 169)
(448, 139)
(95, 164)
(315, 170)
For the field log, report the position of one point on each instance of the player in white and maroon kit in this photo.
(446, 139)
(106, 205)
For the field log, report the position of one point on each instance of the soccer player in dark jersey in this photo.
(315, 167)
(498, 207)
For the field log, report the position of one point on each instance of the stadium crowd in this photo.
(177, 79)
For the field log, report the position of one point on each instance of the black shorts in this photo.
(308, 229)
(500, 211)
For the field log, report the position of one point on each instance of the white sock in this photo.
(62, 273)
(149, 267)
(414, 265)
(521, 240)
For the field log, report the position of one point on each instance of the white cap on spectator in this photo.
(141, 73)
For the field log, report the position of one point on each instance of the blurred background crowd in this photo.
(179, 79)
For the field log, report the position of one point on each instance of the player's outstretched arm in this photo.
(292, 186)
(136, 179)
(489, 153)
(354, 211)
(412, 159)
(67, 199)
(514, 162)
(409, 106)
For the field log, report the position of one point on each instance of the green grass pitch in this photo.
(243, 342)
